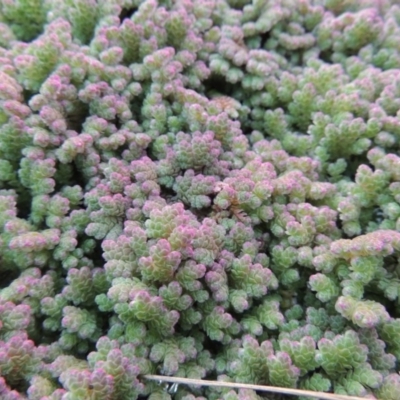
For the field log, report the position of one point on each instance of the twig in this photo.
(272, 389)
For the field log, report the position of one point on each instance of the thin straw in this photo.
(234, 385)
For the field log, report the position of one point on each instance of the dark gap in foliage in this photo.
(72, 178)
(353, 162)
(127, 13)
(339, 224)
(97, 255)
(216, 84)
(6, 277)
(169, 195)
(151, 155)
(41, 336)
(117, 122)
(103, 322)
(24, 203)
(27, 95)
(67, 174)
(326, 56)
(200, 214)
(246, 129)
(76, 120)
(237, 4)
(212, 346)
(264, 38)
(20, 386)
(137, 103)
(377, 297)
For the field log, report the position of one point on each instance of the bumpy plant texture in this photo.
(204, 189)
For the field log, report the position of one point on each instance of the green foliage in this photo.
(24, 17)
(204, 189)
(340, 354)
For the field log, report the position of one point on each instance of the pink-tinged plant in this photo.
(204, 189)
